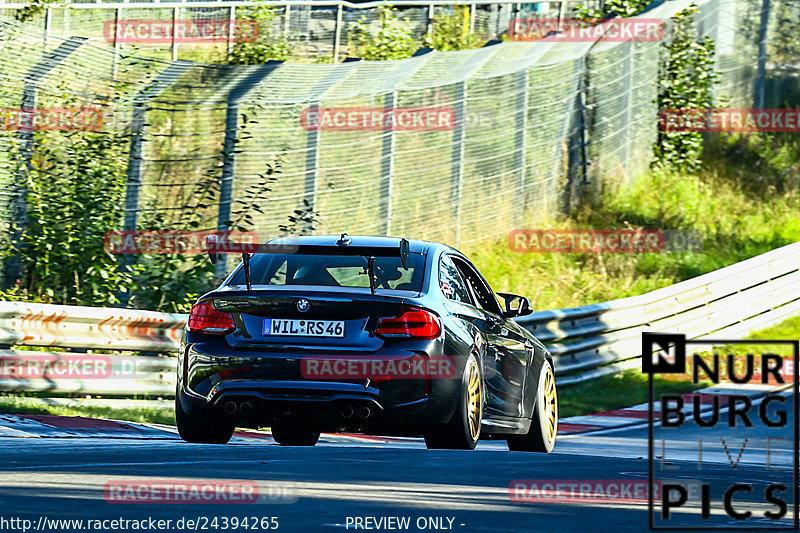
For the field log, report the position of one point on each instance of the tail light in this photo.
(416, 323)
(205, 319)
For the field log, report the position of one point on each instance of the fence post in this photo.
(629, 100)
(287, 19)
(472, 13)
(174, 25)
(134, 180)
(387, 166)
(19, 188)
(429, 22)
(312, 134)
(249, 80)
(115, 61)
(457, 158)
(231, 28)
(337, 33)
(560, 14)
(761, 70)
(48, 23)
(521, 139)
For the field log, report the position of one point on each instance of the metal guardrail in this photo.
(83, 329)
(733, 300)
(586, 342)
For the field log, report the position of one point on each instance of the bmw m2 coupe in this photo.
(370, 335)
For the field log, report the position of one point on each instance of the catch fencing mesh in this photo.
(524, 125)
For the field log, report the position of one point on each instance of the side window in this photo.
(451, 283)
(483, 294)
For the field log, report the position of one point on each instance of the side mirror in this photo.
(516, 305)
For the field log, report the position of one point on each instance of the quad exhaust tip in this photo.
(347, 411)
(246, 408)
(230, 408)
(364, 412)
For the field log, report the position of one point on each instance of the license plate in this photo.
(303, 328)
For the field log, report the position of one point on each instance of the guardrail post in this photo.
(238, 92)
(19, 188)
(337, 33)
(761, 69)
(457, 157)
(387, 167)
(521, 139)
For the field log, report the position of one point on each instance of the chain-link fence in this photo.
(316, 30)
(483, 140)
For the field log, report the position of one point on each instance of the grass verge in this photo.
(743, 203)
(29, 405)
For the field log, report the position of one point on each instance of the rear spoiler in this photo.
(216, 248)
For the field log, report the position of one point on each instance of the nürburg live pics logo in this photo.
(735, 437)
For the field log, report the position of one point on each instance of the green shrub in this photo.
(270, 43)
(392, 40)
(449, 32)
(686, 81)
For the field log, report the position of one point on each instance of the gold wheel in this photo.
(550, 404)
(474, 401)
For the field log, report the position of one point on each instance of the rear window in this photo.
(332, 271)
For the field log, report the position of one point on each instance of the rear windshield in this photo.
(332, 271)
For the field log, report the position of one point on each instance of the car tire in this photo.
(294, 436)
(209, 429)
(541, 437)
(464, 429)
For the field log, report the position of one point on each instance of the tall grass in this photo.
(744, 202)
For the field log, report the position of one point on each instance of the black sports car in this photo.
(372, 335)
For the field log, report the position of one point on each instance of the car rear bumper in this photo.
(260, 389)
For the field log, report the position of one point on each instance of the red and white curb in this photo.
(640, 413)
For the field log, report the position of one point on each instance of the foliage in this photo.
(686, 82)
(33, 9)
(449, 32)
(743, 203)
(392, 40)
(76, 187)
(270, 44)
(620, 8)
(172, 282)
